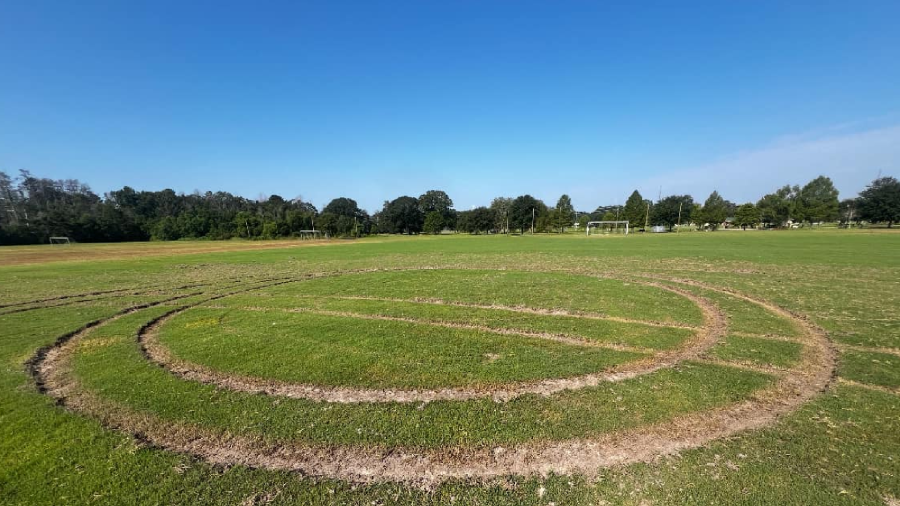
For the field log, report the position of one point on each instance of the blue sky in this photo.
(373, 100)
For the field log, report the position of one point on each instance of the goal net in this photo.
(60, 240)
(607, 227)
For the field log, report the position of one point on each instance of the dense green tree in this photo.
(39, 208)
(880, 201)
(563, 213)
(746, 215)
(501, 206)
(438, 201)
(666, 211)
(524, 212)
(483, 220)
(343, 206)
(777, 208)
(635, 210)
(403, 216)
(817, 201)
(714, 211)
(434, 223)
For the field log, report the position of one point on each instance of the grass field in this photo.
(728, 367)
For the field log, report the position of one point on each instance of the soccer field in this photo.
(728, 367)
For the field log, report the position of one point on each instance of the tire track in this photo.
(713, 330)
(426, 468)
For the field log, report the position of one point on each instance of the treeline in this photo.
(35, 209)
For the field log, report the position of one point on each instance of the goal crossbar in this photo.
(596, 224)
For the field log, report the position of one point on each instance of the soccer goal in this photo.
(60, 240)
(607, 227)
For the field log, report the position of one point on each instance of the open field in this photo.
(738, 368)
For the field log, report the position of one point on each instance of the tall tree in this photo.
(439, 202)
(501, 207)
(343, 206)
(818, 201)
(524, 212)
(777, 208)
(666, 212)
(404, 216)
(434, 223)
(635, 210)
(746, 215)
(714, 211)
(880, 201)
(564, 213)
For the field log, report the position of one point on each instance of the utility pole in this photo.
(679, 217)
(532, 221)
(647, 217)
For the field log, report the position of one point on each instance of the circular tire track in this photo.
(812, 375)
(711, 332)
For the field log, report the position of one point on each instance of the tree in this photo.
(434, 223)
(563, 215)
(666, 211)
(848, 211)
(880, 201)
(714, 210)
(403, 216)
(501, 206)
(343, 206)
(524, 212)
(818, 201)
(438, 201)
(601, 211)
(635, 210)
(583, 220)
(484, 219)
(746, 215)
(777, 208)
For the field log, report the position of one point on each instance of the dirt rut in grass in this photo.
(712, 331)
(813, 374)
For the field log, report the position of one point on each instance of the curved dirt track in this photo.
(712, 330)
(812, 375)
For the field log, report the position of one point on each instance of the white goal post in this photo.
(613, 226)
(60, 240)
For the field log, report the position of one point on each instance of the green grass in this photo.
(588, 328)
(117, 370)
(759, 350)
(745, 316)
(510, 288)
(875, 368)
(840, 448)
(331, 350)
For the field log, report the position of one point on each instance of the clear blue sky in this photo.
(373, 100)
